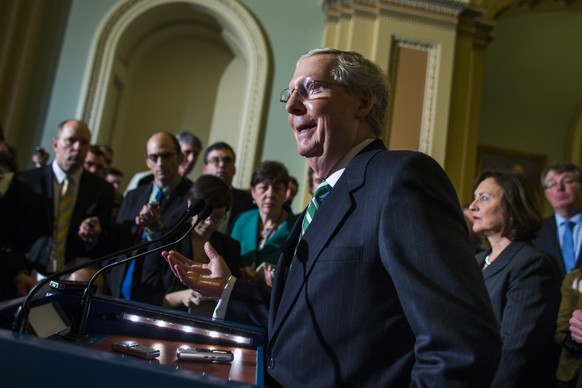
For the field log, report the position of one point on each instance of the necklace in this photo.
(487, 260)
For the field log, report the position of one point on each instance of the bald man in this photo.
(153, 208)
(31, 210)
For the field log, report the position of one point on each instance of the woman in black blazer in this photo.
(159, 285)
(523, 283)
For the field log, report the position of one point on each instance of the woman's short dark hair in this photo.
(213, 190)
(519, 203)
(270, 172)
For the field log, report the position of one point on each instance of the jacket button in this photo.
(270, 363)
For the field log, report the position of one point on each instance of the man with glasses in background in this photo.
(561, 234)
(151, 209)
(219, 160)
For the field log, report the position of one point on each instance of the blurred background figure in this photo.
(114, 176)
(570, 356)
(158, 284)
(7, 166)
(95, 161)
(107, 153)
(523, 283)
(263, 231)
(291, 192)
(40, 157)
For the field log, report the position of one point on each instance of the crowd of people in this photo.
(381, 281)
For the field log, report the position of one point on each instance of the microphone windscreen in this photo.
(196, 207)
(204, 213)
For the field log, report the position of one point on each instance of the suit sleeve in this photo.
(425, 248)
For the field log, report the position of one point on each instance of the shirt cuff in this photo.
(220, 310)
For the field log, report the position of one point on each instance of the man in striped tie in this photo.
(378, 286)
(54, 214)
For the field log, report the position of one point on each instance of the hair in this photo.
(560, 168)
(220, 145)
(270, 172)
(359, 74)
(294, 180)
(213, 190)
(114, 171)
(519, 204)
(7, 157)
(95, 150)
(172, 138)
(186, 137)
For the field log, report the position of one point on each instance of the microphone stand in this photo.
(89, 289)
(22, 315)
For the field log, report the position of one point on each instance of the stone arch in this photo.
(224, 23)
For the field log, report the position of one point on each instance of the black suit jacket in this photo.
(126, 231)
(547, 242)
(157, 279)
(524, 287)
(384, 290)
(28, 216)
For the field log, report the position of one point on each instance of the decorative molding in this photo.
(447, 7)
(428, 107)
(435, 13)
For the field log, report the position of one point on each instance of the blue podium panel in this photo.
(28, 360)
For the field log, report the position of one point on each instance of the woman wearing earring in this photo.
(522, 282)
(263, 231)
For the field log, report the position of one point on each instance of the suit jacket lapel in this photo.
(330, 216)
(503, 259)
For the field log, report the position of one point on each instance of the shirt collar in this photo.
(340, 167)
(559, 219)
(60, 175)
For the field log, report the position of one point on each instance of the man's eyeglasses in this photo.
(215, 161)
(308, 89)
(217, 218)
(164, 156)
(566, 182)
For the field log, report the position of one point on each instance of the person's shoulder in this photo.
(529, 255)
(247, 216)
(32, 173)
(140, 190)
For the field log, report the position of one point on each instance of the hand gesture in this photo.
(149, 217)
(208, 279)
(576, 326)
(90, 229)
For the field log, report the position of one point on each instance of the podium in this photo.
(29, 360)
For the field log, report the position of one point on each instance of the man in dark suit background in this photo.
(562, 184)
(382, 288)
(152, 208)
(219, 160)
(30, 209)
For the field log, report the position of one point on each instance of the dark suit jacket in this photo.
(548, 243)
(524, 288)
(28, 216)
(384, 290)
(157, 279)
(126, 231)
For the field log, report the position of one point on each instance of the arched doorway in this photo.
(174, 66)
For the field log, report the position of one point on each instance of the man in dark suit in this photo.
(219, 160)
(382, 288)
(152, 208)
(563, 189)
(30, 209)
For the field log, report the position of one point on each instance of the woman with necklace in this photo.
(522, 282)
(262, 231)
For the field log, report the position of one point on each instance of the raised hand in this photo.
(208, 279)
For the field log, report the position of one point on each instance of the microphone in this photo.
(89, 290)
(21, 318)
